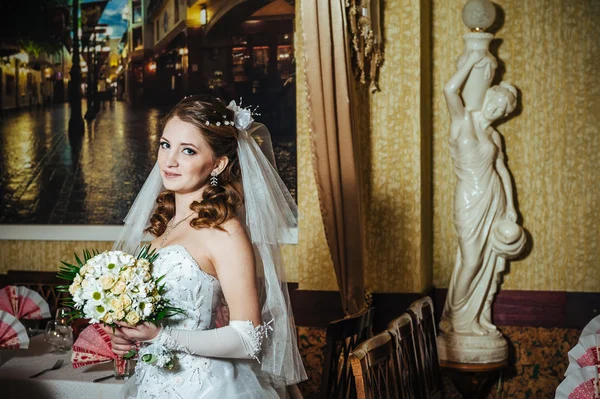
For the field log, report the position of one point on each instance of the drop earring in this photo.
(214, 180)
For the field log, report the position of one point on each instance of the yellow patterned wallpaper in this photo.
(391, 159)
(551, 51)
(46, 255)
(42, 255)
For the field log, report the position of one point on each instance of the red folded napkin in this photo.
(93, 346)
(581, 384)
(23, 303)
(585, 353)
(12, 332)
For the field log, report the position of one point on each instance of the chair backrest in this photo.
(405, 348)
(429, 364)
(374, 367)
(342, 337)
(44, 283)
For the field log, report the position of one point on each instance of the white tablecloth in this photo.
(64, 383)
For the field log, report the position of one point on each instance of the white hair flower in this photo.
(242, 117)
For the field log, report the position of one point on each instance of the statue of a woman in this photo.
(484, 210)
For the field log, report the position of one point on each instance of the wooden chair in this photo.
(429, 364)
(44, 283)
(342, 337)
(405, 348)
(374, 367)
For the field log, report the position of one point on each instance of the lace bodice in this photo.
(188, 287)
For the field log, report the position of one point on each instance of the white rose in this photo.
(74, 288)
(108, 318)
(107, 281)
(126, 274)
(118, 288)
(119, 315)
(144, 264)
(132, 318)
(116, 304)
(126, 301)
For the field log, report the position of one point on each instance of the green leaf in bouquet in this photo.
(148, 253)
(161, 289)
(143, 251)
(130, 354)
(75, 314)
(68, 271)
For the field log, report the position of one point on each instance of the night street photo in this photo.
(79, 154)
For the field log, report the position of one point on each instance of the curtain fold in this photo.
(331, 101)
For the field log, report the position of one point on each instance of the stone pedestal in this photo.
(473, 381)
(472, 349)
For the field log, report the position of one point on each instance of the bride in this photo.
(218, 211)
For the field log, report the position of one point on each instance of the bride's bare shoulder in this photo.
(230, 231)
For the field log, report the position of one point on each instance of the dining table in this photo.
(16, 367)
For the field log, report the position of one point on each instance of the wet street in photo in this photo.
(47, 177)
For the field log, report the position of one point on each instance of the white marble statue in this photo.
(484, 210)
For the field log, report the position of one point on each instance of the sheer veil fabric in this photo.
(271, 217)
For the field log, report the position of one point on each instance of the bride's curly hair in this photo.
(218, 204)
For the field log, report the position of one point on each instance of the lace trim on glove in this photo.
(165, 340)
(252, 337)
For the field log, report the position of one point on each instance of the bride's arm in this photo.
(233, 258)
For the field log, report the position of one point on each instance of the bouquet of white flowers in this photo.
(114, 286)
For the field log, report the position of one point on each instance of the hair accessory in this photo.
(207, 123)
(242, 117)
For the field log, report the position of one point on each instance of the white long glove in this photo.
(239, 340)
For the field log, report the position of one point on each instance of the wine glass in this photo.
(62, 315)
(59, 336)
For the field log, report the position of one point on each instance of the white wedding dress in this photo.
(199, 295)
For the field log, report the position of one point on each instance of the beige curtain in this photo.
(331, 100)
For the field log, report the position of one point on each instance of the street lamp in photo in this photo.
(203, 15)
(76, 124)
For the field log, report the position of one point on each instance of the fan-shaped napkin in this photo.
(581, 384)
(593, 327)
(23, 303)
(12, 332)
(93, 346)
(585, 353)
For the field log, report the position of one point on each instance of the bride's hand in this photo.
(141, 332)
(120, 345)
